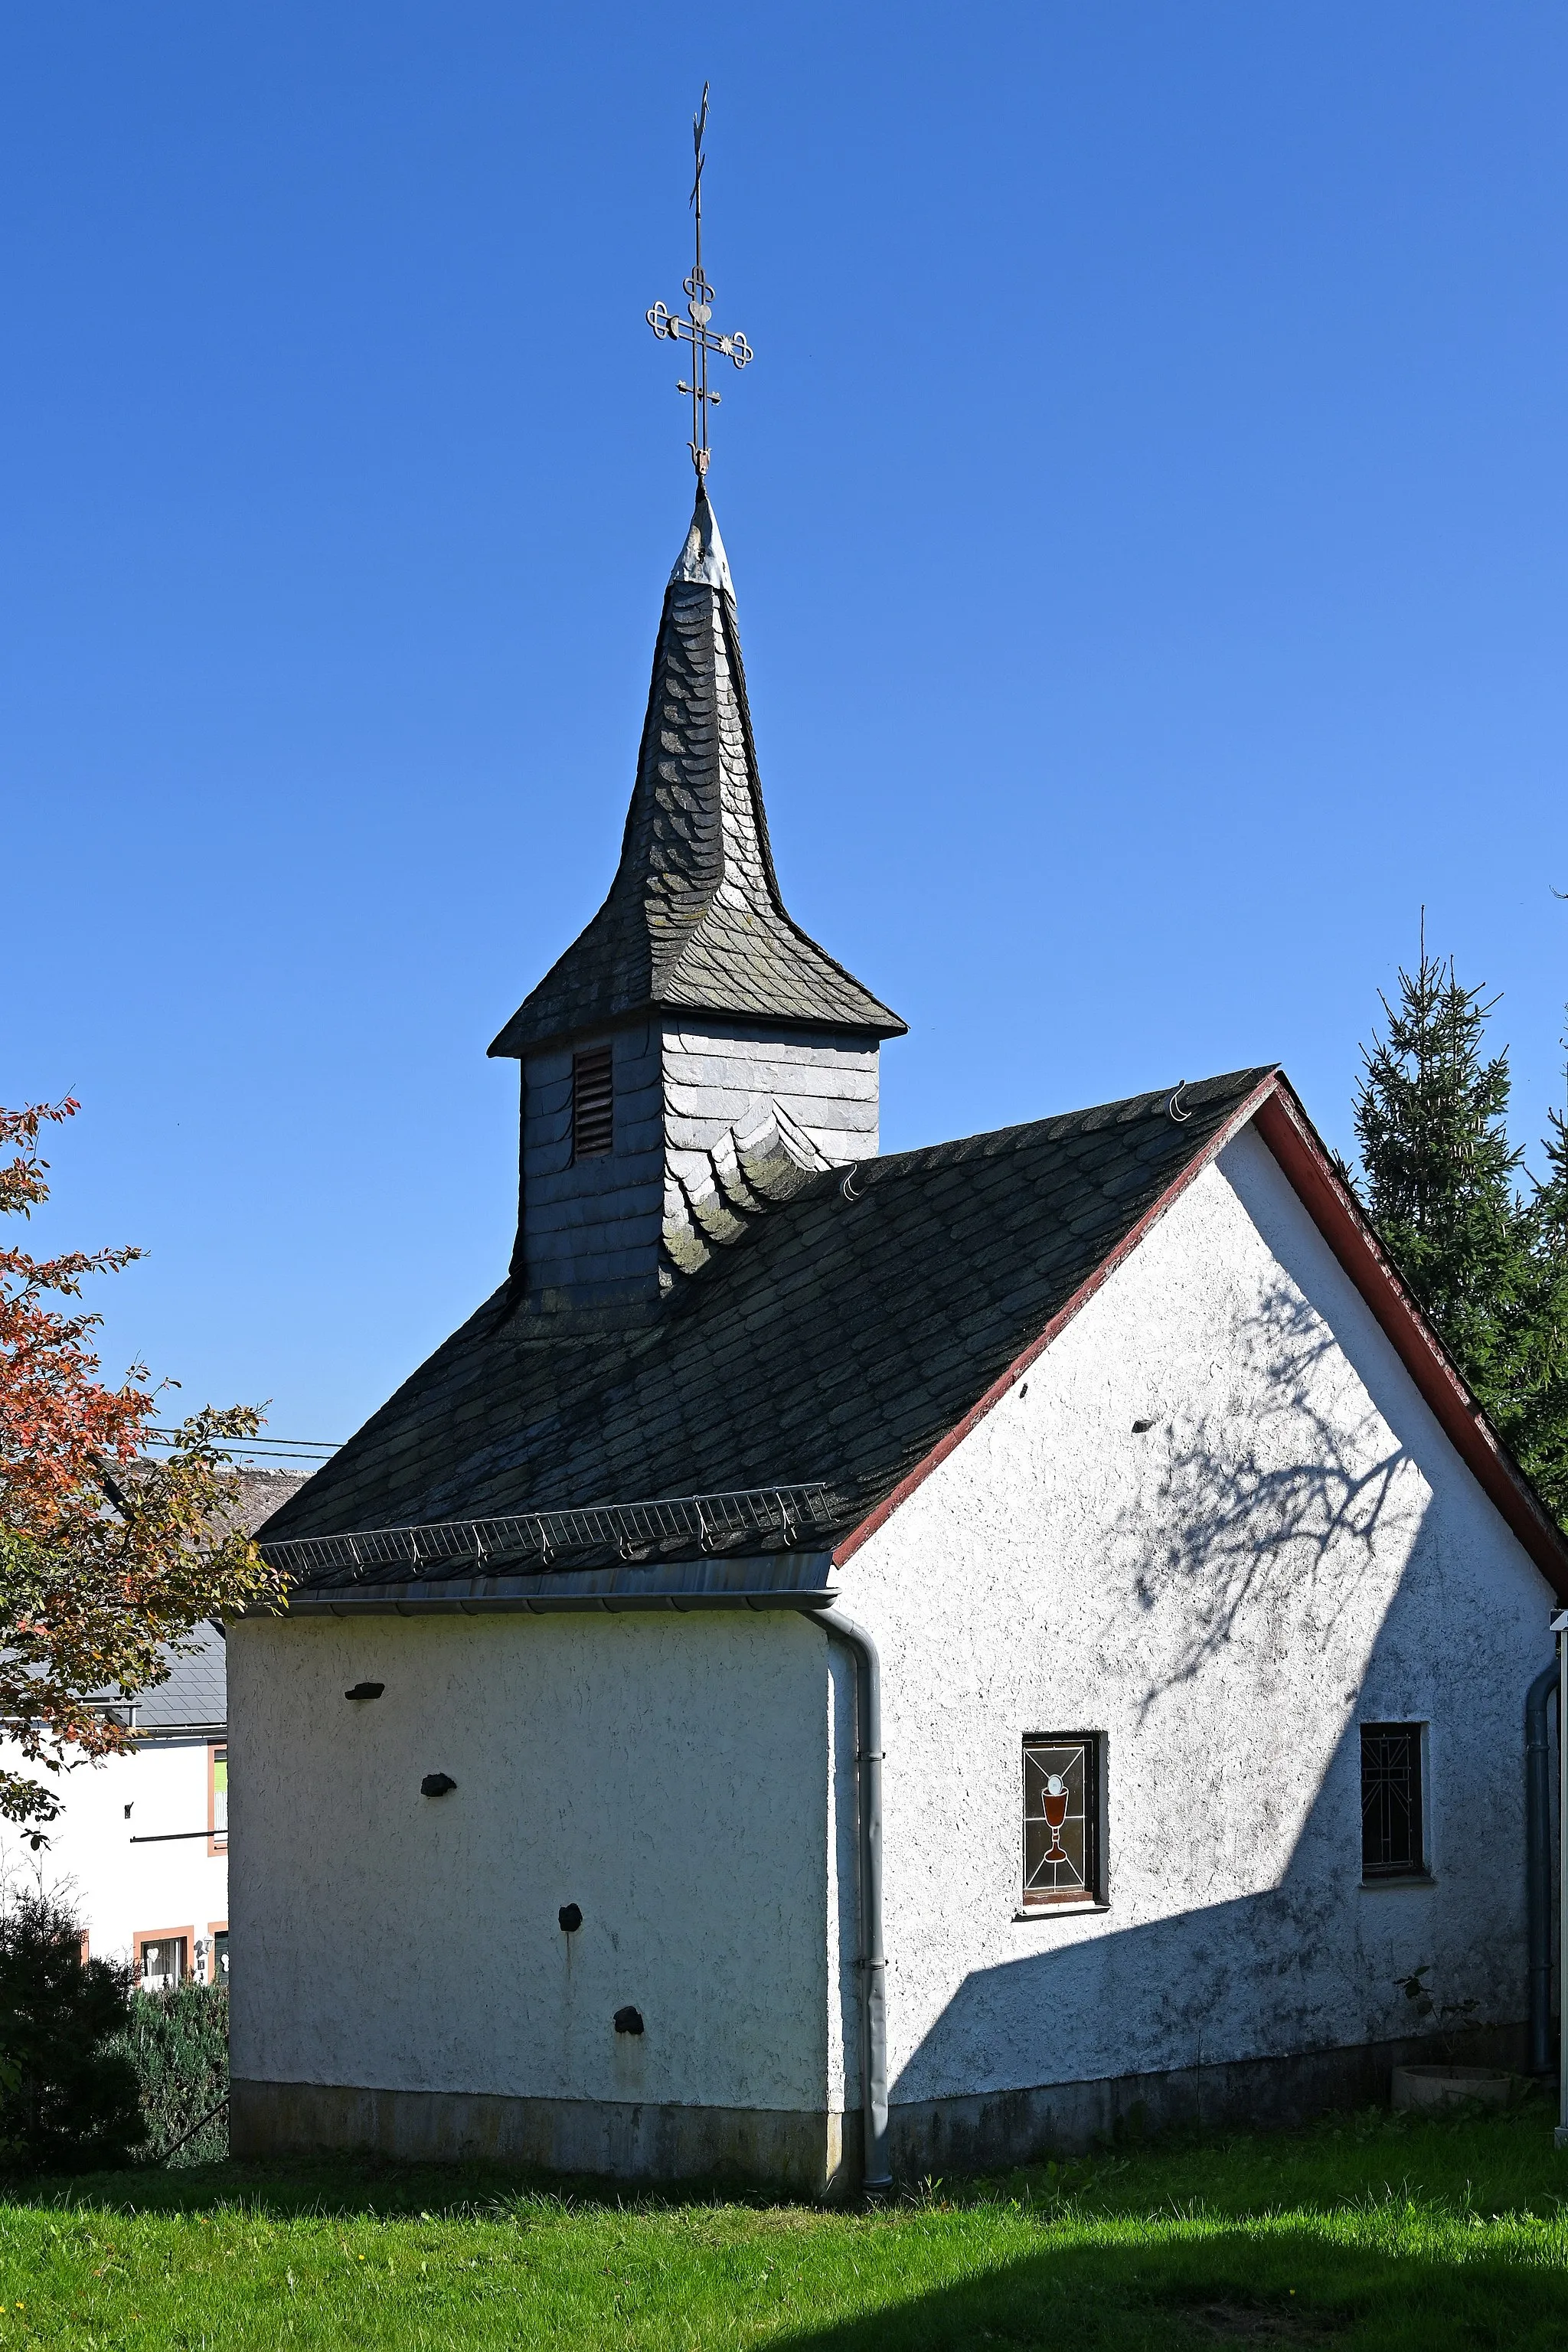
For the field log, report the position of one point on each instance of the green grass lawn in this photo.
(1373, 2231)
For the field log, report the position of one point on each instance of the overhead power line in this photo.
(289, 1449)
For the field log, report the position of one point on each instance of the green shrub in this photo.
(68, 2092)
(177, 2044)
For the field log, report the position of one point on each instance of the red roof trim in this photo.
(1288, 1131)
(1059, 1322)
(1290, 1135)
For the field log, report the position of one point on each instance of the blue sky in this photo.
(1147, 510)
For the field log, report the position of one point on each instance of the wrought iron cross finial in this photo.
(694, 328)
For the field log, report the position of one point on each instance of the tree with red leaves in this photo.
(108, 1550)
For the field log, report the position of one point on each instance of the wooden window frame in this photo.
(593, 1103)
(1036, 1902)
(217, 1840)
(1401, 1874)
(215, 1928)
(145, 1936)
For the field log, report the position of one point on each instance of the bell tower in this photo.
(693, 1058)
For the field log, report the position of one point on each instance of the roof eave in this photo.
(514, 1044)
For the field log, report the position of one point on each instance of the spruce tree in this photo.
(1431, 1115)
(1541, 1438)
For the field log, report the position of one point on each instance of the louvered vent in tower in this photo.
(593, 1103)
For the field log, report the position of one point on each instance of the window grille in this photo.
(1392, 1842)
(1062, 1860)
(593, 1103)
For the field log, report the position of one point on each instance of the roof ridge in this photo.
(1236, 1082)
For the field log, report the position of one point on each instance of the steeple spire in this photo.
(693, 1059)
(694, 921)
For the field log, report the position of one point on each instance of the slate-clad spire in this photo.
(694, 921)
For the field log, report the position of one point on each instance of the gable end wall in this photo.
(1293, 1547)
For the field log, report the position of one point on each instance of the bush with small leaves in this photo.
(177, 2042)
(68, 2096)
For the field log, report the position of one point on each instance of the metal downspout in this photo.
(1537, 1862)
(872, 1961)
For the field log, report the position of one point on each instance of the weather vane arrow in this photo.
(695, 328)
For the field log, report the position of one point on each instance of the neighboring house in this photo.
(1205, 1602)
(141, 1844)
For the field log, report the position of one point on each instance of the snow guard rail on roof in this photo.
(634, 1531)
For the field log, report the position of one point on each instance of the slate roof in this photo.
(694, 920)
(195, 1691)
(840, 1341)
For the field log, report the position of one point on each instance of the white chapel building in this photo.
(847, 1666)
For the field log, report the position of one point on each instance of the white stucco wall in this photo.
(1291, 1549)
(122, 1890)
(667, 1774)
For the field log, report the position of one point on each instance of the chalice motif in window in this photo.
(1054, 1805)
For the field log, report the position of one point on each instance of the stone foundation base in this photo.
(801, 2154)
(1005, 2128)
(819, 2155)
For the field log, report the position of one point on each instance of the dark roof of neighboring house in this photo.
(839, 1340)
(694, 921)
(194, 1693)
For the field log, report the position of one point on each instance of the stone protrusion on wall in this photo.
(778, 1156)
(712, 1198)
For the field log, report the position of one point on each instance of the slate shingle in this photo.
(694, 920)
(752, 1377)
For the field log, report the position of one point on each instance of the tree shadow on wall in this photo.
(1264, 1497)
(1279, 1496)
(1286, 2284)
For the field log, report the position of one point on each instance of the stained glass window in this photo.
(1061, 1818)
(1391, 1830)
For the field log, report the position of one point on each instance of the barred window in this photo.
(1062, 1859)
(1392, 1844)
(593, 1103)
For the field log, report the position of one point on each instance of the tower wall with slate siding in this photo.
(588, 1231)
(713, 1078)
(589, 1228)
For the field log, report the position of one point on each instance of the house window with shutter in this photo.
(593, 1104)
(1393, 1828)
(1063, 1856)
(217, 1800)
